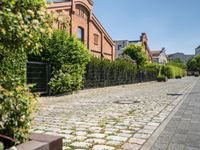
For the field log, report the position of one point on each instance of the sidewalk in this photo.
(183, 130)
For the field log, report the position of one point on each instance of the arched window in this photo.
(81, 34)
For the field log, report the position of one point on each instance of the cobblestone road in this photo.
(121, 118)
(183, 130)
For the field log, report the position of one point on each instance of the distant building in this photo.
(184, 58)
(159, 56)
(197, 50)
(120, 44)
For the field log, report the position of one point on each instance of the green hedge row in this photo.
(172, 72)
(102, 73)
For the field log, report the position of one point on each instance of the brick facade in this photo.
(95, 38)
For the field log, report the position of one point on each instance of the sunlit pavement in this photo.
(121, 117)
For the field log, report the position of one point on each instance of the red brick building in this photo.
(85, 26)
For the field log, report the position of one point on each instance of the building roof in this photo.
(198, 47)
(156, 53)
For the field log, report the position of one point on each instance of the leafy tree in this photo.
(137, 53)
(194, 64)
(69, 57)
(126, 58)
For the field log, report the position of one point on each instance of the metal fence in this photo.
(38, 73)
(102, 80)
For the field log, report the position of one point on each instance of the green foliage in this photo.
(69, 57)
(126, 58)
(162, 78)
(177, 63)
(67, 79)
(12, 64)
(136, 52)
(152, 67)
(172, 72)
(22, 24)
(194, 64)
(101, 73)
(16, 106)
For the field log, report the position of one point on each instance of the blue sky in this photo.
(173, 24)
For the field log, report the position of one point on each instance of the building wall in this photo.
(197, 50)
(95, 31)
(108, 49)
(80, 14)
(119, 45)
(80, 21)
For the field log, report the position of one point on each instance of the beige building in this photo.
(159, 56)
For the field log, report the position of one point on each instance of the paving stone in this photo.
(141, 136)
(94, 113)
(117, 138)
(81, 133)
(113, 143)
(137, 141)
(95, 141)
(79, 138)
(96, 135)
(159, 146)
(128, 146)
(81, 145)
(174, 146)
(102, 147)
(179, 138)
(124, 135)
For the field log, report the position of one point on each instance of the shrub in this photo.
(101, 73)
(162, 78)
(153, 67)
(172, 72)
(23, 23)
(137, 53)
(68, 57)
(126, 58)
(194, 64)
(12, 64)
(67, 79)
(16, 108)
(196, 74)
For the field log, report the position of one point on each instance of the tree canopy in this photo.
(137, 53)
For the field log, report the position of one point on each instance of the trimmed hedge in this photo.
(102, 73)
(172, 72)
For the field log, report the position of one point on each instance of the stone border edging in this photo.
(42, 142)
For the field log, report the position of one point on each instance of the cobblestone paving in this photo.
(183, 130)
(114, 118)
